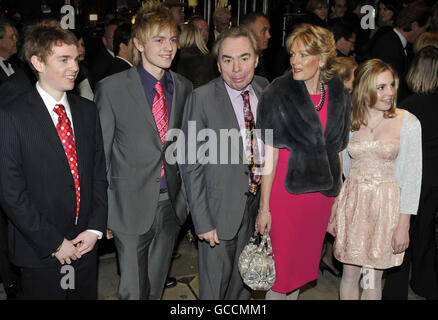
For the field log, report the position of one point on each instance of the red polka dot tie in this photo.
(65, 133)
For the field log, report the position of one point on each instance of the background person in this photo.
(422, 79)
(194, 60)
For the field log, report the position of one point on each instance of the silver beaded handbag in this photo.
(256, 263)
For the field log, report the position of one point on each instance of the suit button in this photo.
(158, 179)
(246, 172)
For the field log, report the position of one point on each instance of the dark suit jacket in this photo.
(101, 64)
(216, 193)
(134, 152)
(424, 108)
(37, 190)
(3, 76)
(389, 48)
(17, 84)
(116, 65)
(199, 68)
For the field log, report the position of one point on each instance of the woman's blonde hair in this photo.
(190, 36)
(344, 67)
(317, 41)
(426, 39)
(150, 20)
(422, 77)
(365, 91)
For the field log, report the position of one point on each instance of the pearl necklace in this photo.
(319, 106)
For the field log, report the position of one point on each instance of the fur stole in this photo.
(287, 108)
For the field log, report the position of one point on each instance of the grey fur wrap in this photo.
(287, 108)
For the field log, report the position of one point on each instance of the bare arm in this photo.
(263, 221)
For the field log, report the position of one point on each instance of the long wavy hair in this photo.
(365, 91)
(317, 41)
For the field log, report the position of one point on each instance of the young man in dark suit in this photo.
(52, 174)
(137, 107)
(123, 47)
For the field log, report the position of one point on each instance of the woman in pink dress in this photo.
(308, 112)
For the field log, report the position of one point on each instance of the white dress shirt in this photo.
(50, 104)
(237, 102)
(403, 40)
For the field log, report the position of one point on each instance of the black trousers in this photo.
(421, 254)
(8, 272)
(77, 281)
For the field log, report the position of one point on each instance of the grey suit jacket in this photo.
(216, 193)
(134, 152)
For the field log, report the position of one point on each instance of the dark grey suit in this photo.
(218, 194)
(134, 154)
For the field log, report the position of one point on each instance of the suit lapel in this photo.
(42, 117)
(136, 90)
(177, 105)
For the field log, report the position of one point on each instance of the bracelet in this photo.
(264, 211)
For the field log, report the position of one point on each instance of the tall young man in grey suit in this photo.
(137, 107)
(224, 197)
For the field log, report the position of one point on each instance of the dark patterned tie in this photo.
(252, 151)
(65, 133)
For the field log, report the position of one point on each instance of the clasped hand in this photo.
(76, 248)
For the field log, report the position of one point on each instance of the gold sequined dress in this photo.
(368, 206)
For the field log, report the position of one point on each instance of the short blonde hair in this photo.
(150, 20)
(190, 36)
(365, 92)
(317, 41)
(344, 67)
(422, 77)
(426, 39)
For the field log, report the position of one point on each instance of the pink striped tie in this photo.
(159, 110)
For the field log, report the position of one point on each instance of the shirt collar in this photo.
(109, 51)
(150, 79)
(234, 94)
(130, 64)
(49, 101)
(402, 38)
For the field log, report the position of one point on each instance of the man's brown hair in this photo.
(41, 39)
(414, 12)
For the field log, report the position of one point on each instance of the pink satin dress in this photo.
(299, 224)
(368, 206)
